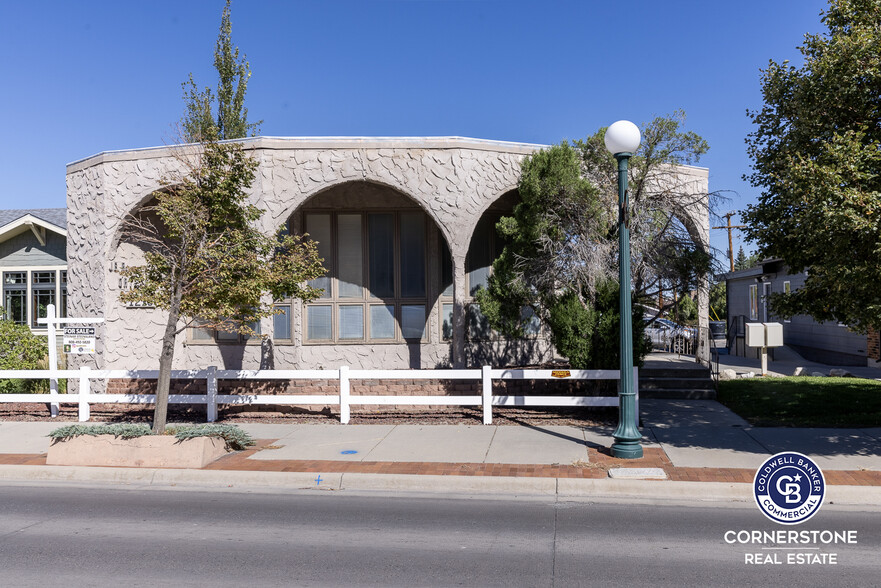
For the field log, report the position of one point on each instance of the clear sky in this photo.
(88, 76)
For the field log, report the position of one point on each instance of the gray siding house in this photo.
(33, 264)
(827, 342)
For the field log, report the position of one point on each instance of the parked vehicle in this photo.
(666, 335)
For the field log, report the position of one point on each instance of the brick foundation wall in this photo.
(377, 387)
(873, 342)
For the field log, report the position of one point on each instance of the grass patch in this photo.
(804, 402)
(235, 438)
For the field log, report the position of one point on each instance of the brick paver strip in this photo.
(599, 462)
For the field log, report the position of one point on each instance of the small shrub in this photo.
(20, 349)
(235, 438)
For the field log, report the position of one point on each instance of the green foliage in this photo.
(20, 349)
(121, 430)
(718, 301)
(235, 438)
(589, 334)
(205, 257)
(684, 310)
(231, 121)
(561, 242)
(804, 402)
(742, 262)
(816, 157)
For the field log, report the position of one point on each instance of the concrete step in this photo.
(690, 372)
(678, 394)
(674, 383)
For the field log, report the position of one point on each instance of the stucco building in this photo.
(406, 228)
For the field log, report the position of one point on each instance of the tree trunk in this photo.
(160, 411)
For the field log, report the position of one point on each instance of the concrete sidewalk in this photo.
(685, 441)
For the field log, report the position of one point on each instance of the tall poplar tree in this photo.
(222, 115)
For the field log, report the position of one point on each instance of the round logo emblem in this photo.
(789, 488)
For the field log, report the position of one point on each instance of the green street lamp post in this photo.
(622, 140)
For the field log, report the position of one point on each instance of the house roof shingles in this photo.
(55, 216)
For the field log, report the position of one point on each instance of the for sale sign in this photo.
(80, 340)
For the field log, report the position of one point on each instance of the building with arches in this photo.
(405, 226)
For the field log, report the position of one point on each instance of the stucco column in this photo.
(459, 295)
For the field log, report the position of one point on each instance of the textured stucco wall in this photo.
(453, 180)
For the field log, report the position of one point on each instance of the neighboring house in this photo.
(406, 227)
(827, 342)
(33, 264)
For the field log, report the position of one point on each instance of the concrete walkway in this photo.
(684, 441)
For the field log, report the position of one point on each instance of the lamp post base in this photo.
(630, 449)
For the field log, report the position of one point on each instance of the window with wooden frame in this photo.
(376, 287)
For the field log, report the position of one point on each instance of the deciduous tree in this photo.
(816, 152)
(206, 261)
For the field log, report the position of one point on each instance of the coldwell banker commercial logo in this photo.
(789, 488)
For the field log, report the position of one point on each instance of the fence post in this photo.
(636, 391)
(344, 394)
(211, 393)
(53, 359)
(487, 394)
(85, 389)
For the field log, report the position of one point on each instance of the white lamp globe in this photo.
(622, 137)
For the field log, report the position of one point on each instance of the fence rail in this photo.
(344, 398)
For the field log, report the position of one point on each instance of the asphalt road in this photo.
(74, 536)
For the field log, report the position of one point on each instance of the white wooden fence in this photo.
(344, 399)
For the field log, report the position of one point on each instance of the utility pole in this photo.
(730, 227)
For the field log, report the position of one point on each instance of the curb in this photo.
(481, 486)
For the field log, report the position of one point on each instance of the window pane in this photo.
(480, 255)
(531, 323)
(43, 277)
(447, 322)
(318, 227)
(223, 335)
(202, 334)
(41, 301)
(412, 255)
(412, 321)
(319, 323)
(381, 245)
(478, 325)
(63, 305)
(350, 255)
(351, 322)
(281, 323)
(255, 326)
(382, 321)
(10, 278)
(15, 305)
(446, 268)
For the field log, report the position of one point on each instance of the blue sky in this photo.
(83, 77)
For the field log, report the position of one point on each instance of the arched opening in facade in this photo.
(388, 277)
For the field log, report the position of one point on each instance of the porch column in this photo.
(459, 295)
